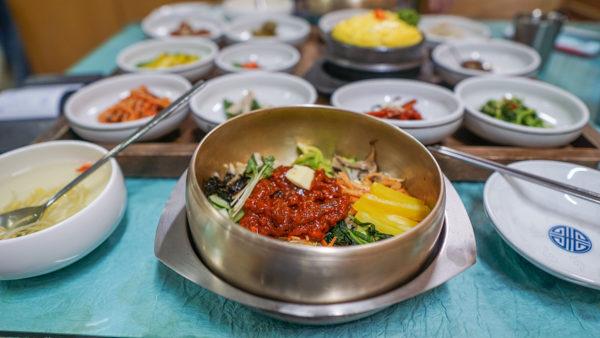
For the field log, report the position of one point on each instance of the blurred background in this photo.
(48, 36)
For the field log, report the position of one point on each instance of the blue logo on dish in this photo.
(570, 239)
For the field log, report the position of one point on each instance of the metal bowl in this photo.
(307, 274)
(379, 59)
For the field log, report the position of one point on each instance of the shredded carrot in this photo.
(250, 65)
(355, 189)
(324, 242)
(332, 241)
(84, 167)
(384, 179)
(351, 188)
(139, 104)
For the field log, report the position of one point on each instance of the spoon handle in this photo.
(173, 107)
(543, 181)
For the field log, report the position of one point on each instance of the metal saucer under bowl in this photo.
(456, 253)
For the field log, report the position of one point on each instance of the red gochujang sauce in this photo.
(278, 208)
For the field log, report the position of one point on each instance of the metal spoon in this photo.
(543, 181)
(26, 216)
(474, 62)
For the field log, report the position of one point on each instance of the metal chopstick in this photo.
(543, 181)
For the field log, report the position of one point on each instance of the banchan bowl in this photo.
(442, 111)
(160, 25)
(83, 108)
(440, 29)
(271, 89)
(129, 58)
(68, 241)
(307, 274)
(290, 29)
(563, 112)
(270, 56)
(507, 58)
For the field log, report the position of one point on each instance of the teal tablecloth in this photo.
(120, 289)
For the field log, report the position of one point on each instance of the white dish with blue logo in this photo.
(557, 232)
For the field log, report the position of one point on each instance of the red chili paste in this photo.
(278, 208)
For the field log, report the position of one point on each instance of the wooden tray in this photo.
(169, 156)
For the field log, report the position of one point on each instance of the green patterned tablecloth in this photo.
(120, 289)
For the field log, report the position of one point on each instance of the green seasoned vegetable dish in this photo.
(514, 111)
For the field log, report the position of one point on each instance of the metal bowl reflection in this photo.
(306, 274)
(380, 59)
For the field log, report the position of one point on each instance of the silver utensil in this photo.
(543, 181)
(538, 30)
(23, 217)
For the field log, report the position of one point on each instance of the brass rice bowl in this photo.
(310, 274)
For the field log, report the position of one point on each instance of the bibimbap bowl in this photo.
(311, 274)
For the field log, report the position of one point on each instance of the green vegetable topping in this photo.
(257, 168)
(219, 202)
(312, 157)
(226, 105)
(514, 111)
(351, 232)
(410, 16)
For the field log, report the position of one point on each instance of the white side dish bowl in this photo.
(563, 112)
(239, 8)
(556, 232)
(506, 58)
(271, 90)
(445, 28)
(187, 8)
(61, 244)
(82, 108)
(290, 29)
(162, 24)
(272, 57)
(129, 58)
(442, 112)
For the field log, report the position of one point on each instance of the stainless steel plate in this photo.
(456, 253)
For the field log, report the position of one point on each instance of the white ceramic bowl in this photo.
(190, 8)
(329, 20)
(239, 8)
(271, 90)
(83, 107)
(507, 58)
(563, 111)
(454, 28)
(68, 241)
(160, 24)
(143, 51)
(272, 57)
(442, 112)
(290, 29)
(556, 232)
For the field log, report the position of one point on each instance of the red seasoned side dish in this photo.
(406, 111)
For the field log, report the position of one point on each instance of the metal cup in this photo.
(538, 30)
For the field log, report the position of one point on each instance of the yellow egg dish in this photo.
(376, 28)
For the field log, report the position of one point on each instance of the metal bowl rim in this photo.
(279, 245)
